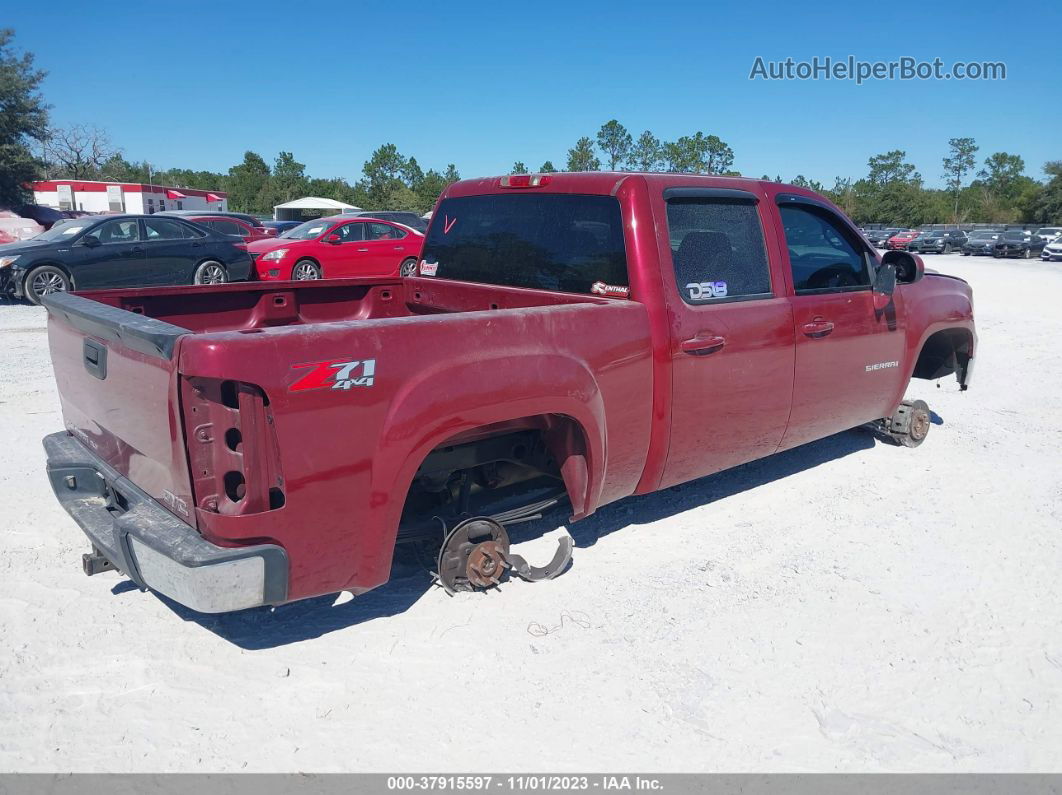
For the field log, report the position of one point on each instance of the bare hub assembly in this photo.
(475, 555)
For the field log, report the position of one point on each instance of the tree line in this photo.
(892, 192)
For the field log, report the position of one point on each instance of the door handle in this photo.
(817, 328)
(702, 346)
(363, 249)
(400, 248)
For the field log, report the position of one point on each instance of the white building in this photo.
(123, 197)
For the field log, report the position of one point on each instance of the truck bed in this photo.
(237, 406)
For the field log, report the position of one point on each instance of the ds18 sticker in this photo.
(704, 290)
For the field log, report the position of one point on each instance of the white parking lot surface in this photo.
(849, 605)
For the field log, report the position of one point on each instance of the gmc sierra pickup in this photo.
(578, 337)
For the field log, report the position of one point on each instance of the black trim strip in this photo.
(796, 198)
(140, 333)
(730, 194)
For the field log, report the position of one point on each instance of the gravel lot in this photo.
(849, 605)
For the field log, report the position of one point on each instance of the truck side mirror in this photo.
(909, 268)
(884, 284)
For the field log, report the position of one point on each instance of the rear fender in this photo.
(453, 399)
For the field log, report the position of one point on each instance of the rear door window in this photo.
(165, 229)
(547, 241)
(717, 250)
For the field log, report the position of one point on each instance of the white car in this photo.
(1052, 251)
(1048, 233)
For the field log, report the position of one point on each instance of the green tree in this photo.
(615, 142)
(289, 178)
(1000, 174)
(383, 172)
(645, 153)
(249, 183)
(891, 168)
(547, 167)
(23, 121)
(697, 154)
(581, 156)
(803, 182)
(1047, 208)
(957, 164)
(518, 168)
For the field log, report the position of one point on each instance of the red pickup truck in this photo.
(582, 337)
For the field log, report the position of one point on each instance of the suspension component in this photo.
(475, 555)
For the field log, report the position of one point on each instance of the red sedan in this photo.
(230, 225)
(336, 247)
(901, 239)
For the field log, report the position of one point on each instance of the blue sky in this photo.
(484, 84)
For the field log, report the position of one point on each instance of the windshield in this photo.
(64, 230)
(984, 235)
(546, 241)
(308, 230)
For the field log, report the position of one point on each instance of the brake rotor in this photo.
(473, 555)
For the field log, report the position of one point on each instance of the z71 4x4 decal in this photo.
(334, 374)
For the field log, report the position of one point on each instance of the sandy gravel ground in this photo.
(849, 605)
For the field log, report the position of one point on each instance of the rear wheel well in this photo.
(944, 353)
(498, 469)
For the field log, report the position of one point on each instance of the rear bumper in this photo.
(153, 547)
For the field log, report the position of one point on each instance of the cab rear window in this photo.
(546, 241)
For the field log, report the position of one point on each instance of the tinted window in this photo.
(717, 249)
(165, 229)
(228, 228)
(546, 241)
(124, 231)
(349, 233)
(382, 232)
(822, 253)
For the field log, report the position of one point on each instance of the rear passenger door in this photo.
(732, 334)
(386, 248)
(849, 356)
(169, 251)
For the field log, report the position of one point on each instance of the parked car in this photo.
(562, 344)
(900, 240)
(1017, 243)
(119, 251)
(980, 242)
(45, 216)
(13, 227)
(1052, 251)
(937, 241)
(232, 226)
(246, 218)
(337, 247)
(412, 220)
(280, 227)
(1048, 233)
(879, 237)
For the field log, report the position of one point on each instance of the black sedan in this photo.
(1017, 244)
(119, 251)
(980, 243)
